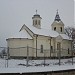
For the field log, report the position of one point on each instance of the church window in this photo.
(35, 22)
(39, 22)
(54, 28)
(68, 51)
(41, 48)
(51, 48)
(58, 46)
(61, 29)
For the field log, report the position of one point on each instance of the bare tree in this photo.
(69, 31)
(3, 52)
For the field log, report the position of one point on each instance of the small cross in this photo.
(36, 11)
(57, 10)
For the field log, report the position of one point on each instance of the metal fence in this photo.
(33, 52)
(6, 52)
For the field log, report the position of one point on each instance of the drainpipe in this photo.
(36, 45)
(50, 46)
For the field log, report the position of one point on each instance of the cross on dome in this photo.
(36, 11)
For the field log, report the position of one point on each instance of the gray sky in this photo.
(15, 13)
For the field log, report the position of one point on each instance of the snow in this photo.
(47, 32)
(19, 66)
(21, 34)
(44, 32)
(64, 36)
(35, 69)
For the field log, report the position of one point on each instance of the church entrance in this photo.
(58, 49)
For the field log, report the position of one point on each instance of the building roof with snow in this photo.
(21, 34)
(37, 30)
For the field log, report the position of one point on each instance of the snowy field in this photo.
(19, 66)
(17, 63)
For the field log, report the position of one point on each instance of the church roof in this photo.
(57, 23)
(36, 15)
(44, 32)
(21, 34)
(64, 36)
(57, 20)
(57, 17)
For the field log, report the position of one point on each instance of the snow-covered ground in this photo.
(19, 66)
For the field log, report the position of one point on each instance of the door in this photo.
(58, 49)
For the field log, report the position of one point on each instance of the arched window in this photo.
(54, 28)
(51, 48)
(61, 29)
(41, 49)
(35, 22)
(58, 46)
(39, 22)
(68, 51)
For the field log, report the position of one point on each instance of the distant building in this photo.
(40, 42)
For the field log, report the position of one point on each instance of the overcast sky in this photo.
(15, 13)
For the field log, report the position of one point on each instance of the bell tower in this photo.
(36, 19)
(58, 25)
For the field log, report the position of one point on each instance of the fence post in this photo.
(44, 59)
(7, 56)
(72, 51)
(27, 56)
(59, 57)
(72, 57)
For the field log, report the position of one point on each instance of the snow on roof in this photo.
(22, 34)
(64, 36)
(36, 69)
(44, 32)
(47, 32)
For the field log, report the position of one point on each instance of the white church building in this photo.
(38, 42)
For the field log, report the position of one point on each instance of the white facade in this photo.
(40, 42)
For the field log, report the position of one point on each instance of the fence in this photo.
(31, 52)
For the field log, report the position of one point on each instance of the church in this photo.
(34, 41)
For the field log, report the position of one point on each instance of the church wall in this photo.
(58, 27)
(45, 41)
(41, 40)
(18, 47)
(65, 45)
(30, 32)
(34, 22)
(66, 48)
